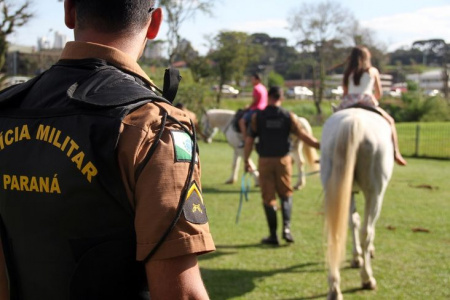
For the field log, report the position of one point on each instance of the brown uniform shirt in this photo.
(155, 194)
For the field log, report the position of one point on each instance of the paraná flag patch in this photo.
(182, 144)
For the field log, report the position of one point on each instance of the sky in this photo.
(396, 23)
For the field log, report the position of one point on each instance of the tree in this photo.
(439, 48)
(12, 16)
(176, 13)
(321, 27)
(274, 55)
(231, 55)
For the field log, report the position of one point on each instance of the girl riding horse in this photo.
(360, 79)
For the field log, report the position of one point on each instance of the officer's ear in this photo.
(155, 24)
(70, 14)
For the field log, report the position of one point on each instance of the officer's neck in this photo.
(274, 103)
(130, 45)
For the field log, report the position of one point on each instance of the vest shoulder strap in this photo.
(109, 87)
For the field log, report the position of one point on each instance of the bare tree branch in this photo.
(178, 12)
(12, 16)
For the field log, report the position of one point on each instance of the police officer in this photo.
(100, 195)
(273, 126)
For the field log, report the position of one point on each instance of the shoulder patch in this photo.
(194, 210)
(182, 145)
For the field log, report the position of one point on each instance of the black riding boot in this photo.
(286, 210)
(271, 215)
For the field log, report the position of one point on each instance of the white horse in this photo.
(356, 154)
(222, 119)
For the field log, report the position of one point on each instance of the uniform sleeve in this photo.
(156, 193)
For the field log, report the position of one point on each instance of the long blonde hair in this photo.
(358, 62)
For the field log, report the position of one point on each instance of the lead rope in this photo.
(245, 188)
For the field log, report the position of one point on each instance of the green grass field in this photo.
(412, 238)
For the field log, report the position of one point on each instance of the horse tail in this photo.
(339, 187)
(310, 153)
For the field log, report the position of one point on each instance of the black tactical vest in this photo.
(273, 127)
(67, 225)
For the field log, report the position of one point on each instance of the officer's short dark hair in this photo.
(275, 92)
(113, 16)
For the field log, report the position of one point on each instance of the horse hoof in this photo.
(298, 187)
(370, 285)
(356, 263)
(229, 182)
(334, 295)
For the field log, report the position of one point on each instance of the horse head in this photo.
(208, 129)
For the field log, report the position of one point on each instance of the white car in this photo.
(227, 90)
(335, 93)
(299, 92)
(397, 93)
(432, 93)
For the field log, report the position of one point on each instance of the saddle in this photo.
(357, 105)
(369, 108)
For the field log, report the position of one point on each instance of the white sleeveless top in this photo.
(365, 86)
(361, 94)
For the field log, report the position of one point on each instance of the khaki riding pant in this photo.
(275, 178)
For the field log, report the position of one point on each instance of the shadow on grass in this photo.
(237, 191)
(230, 283)
(322, 296)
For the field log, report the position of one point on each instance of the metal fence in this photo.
(425, 139)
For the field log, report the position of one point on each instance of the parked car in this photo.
(299, 92)
(335, 94)
(394, 93)
(227, 90)
(432, 93)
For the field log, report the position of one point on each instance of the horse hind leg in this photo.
(334, 281)
(372, 212)
(234, 168)
(299, 161)
(355, 223)
(254, 173)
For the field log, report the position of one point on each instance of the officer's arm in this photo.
(249, 142)
(248, 147)
(175, 278)
(309, 139)
(305, 136)
(4, 287)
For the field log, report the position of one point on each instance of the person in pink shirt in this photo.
(259, 103)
